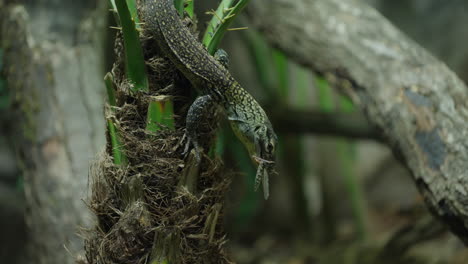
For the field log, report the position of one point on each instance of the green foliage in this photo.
(190, 8)
(133, 12)
(131, 7)
(110, 89)
(220, 22)
(160, 114)
(179, 6)
(184, 5)
(134, 61)
(271, 67)
(117, 147)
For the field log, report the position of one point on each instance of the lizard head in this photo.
(264, 142)
(259, 139)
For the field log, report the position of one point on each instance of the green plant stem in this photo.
(110, 89)
(116, 144)
(160, 114)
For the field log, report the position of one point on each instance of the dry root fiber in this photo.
(145, 210)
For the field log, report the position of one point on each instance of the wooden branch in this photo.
(347, 125)
(419, 104)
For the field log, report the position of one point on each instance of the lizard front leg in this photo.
(203, 107)
(199, 109)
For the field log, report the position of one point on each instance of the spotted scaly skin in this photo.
(247, 118)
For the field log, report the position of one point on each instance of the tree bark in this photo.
(54, 65)
(418, 103)
(447, 19)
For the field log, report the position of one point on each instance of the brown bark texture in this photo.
(53, 65)
(418, 103)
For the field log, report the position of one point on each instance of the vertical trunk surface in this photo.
(54, 65)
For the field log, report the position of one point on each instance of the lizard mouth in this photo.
(262, 160)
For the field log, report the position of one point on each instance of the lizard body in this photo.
(248, 120)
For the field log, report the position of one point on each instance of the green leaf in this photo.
(179, 6)
(133, 12)
(134, 60)
(112, 2)
(190, 8)
(187, 5)
(222, 19)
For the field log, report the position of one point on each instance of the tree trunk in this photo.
(417, 102)
(54, 65)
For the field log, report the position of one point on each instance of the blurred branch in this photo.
(424, 229)
(418, 103)
(348, 125)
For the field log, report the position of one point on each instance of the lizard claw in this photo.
(197, 148)
(180, 143)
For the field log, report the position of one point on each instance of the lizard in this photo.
(247, 118)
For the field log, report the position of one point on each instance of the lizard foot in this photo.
(196, 147)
